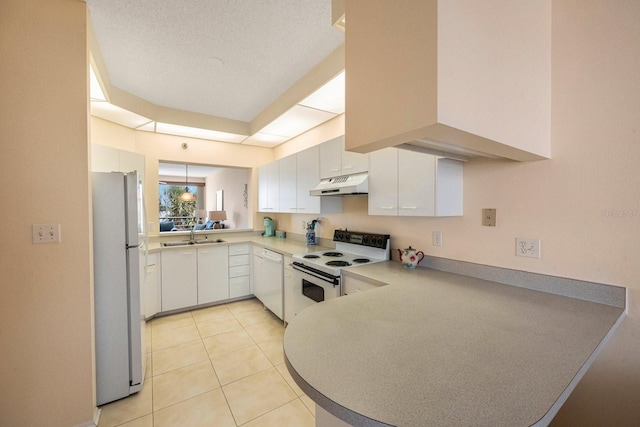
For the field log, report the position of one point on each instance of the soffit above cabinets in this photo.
(229, 68)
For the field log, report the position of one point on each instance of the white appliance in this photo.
(317, 276)
(268, 279)
(357, 183)
(117, 299)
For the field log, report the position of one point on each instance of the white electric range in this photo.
(317, 275)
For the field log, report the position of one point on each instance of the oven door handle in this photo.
(335, 281)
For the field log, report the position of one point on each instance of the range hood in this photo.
(342, 185)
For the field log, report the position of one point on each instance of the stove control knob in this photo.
(365, 239)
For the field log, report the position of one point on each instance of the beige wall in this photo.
(232, 182)
(156, 147)
(583, 204)
(46, 305)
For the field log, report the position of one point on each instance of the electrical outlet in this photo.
(436, 238)
(46, 233)
(528, 247)
(304, 224)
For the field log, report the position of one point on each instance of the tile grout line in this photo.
(210, 357)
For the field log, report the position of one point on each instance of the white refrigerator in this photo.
(117, 298)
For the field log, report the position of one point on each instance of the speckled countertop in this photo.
(441, 349)
(288, 246)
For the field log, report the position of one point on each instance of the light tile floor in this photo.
(218, 366)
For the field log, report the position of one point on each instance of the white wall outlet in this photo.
(46, 233)
(304, 224)
(528, 247)
(436, 238)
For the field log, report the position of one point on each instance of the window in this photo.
(172, 209)
(205, 182)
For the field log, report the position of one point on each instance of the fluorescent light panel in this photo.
(297, 120)
(95, 91)
(192, 132)
(112, 113)
(322, 105)
(329, 97)
(261, 139)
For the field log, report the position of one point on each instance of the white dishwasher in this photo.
(268, 286)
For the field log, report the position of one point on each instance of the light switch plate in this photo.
(46, 233)
(489, 217)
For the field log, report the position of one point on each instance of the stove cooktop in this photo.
(352, 249)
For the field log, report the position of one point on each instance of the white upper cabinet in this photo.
(299, 174)
(288, 181)
(307, 177)
(413, 183)
(383, 182)
(457, 76)
(335, 161)
(269, 187)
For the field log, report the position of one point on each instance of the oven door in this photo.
(310, 287)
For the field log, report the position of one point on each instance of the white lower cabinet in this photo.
(288, 289)
(152, 286)
(179, 278)
(213, 277)
(239, 270)
(352, 285)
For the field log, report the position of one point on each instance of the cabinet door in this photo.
(352, 285)
(331, 158)
(179, 278)
(383, 182)
(239, 286)
(287, 183)
(257, 267)
(104, 158)
(449, 187)
(213, 274)
(288, 289)
(353, 162)
(307, 177)
(130, 162)
(153, 295)
(268, 187)
(416, 183)
(263, 190)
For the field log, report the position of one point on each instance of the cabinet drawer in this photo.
(239, 249)
(239, 270)
(238, 260)
(239, 286)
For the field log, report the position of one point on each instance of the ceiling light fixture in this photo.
(187, 196)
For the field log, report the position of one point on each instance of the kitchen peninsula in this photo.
(436, 348)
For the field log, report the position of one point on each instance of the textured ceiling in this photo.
(226, 58)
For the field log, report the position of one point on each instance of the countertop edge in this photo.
(334, 408)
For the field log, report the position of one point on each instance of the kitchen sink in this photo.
(191, 242)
